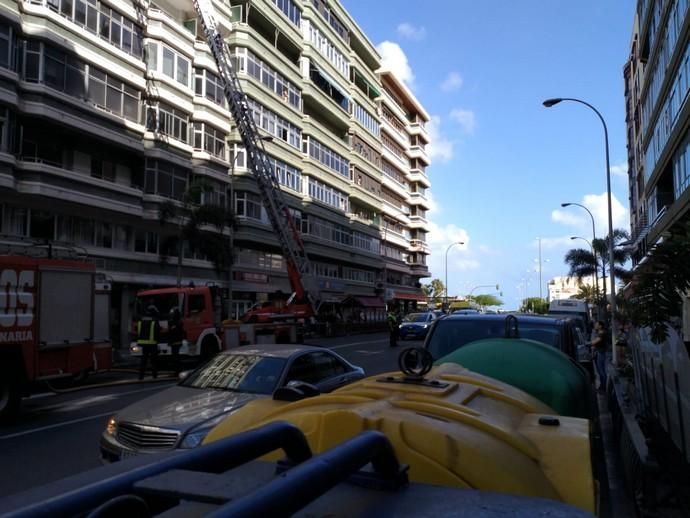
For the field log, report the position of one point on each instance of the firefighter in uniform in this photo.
(148, 332)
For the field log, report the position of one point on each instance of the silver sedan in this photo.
(181, 416)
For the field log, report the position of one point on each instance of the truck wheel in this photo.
(9, 395)
(209, 348)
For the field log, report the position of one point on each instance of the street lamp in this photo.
(447, 250)
(233, 163)
(594, 252)
(552, 102)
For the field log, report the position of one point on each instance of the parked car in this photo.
(455, 331)
(466, 311)
(415, 326)
(181, 416)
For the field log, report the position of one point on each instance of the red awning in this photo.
(409, 296)
(370, 302)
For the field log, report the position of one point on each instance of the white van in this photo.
(573, 307)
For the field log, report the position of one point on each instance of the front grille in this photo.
(146, 437)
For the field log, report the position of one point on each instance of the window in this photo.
(41, 224)
(103, 169)
(325, 47)
(366, 119)
(163, 59)
(6, 46)
(328, 195)
(275, 124)
(165, 179)
(272, 79)
(104, 235)
(209, 139)
(209, 85)
(196, 304)
(103, 21)
(328, 157)
(287, 175)
(290, 10)
(169, 121)
(248, 205)
(145, 242)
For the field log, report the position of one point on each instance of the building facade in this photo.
(569, 287)
(111, 110)
(658, 120)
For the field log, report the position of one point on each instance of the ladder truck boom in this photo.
(271, 194)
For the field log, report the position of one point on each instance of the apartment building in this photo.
(109, 111)
(658, 120)
(566, 287)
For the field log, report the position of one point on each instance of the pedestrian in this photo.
(175, 337)
(601, 345)
(148, 333)
(393, 328)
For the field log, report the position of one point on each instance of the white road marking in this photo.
(345, 346)
(369, 353)
(56, 425)
(76, 404)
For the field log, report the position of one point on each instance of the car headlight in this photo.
(197, 435)
(425, 326)
(135, 349)
(111, 427)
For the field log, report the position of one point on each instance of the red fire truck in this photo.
(48, 325)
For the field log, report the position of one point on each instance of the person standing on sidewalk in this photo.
(601, 344)
(148, 334)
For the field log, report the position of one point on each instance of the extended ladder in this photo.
(269, 187)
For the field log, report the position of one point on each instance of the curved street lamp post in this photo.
(552, 102)
(594, 252)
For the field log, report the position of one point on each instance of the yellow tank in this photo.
(467, 431)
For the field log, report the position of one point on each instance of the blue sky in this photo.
(502, 163)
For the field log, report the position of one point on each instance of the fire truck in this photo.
(50, 324)
(199, 309)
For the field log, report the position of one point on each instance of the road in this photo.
(58, 434)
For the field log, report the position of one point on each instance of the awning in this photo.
(331, 81)
(372, 88)
(367, 302)
(401, 295)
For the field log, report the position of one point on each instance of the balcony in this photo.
(418, 222)
(418, 245)
(418, 128)
(417, 176)
(420, 153)
(417, 198)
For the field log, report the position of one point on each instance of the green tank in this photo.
(540, 370)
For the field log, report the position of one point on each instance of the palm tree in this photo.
(193, 221)
(582, 262)
(587, 292)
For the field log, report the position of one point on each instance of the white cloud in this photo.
(555, 243)
(597, 204)
(452, 82)
(465, 118)
(393, 58)
(407, 30)
(440, 147)
(620, 169)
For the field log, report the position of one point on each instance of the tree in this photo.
(586, 292)
(582, 263)
(435, 291)
(535, 305)
(195, 218)
(487, 300)
(661, 282)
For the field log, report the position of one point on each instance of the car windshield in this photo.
(450, 335)
(415, 317)
(238, 373)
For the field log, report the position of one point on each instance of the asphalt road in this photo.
(57, 435)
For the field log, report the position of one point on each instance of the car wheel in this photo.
(209, 348)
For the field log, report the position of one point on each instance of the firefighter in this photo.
(148, 332)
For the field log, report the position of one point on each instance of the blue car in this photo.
(415, 326)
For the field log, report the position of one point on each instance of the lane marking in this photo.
(75, 404)
(344, 346)
(53, 426)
